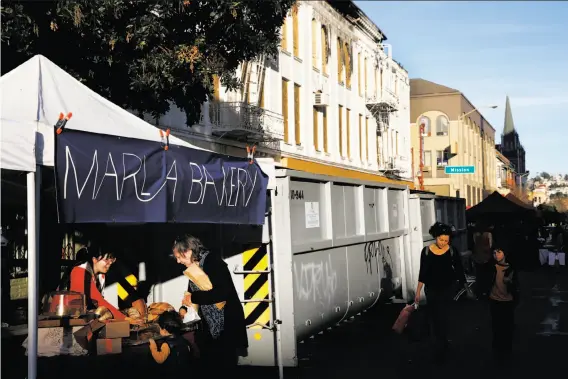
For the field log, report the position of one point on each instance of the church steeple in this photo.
(509, 124)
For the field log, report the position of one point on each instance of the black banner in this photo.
(103, 178)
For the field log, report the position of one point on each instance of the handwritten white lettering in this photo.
(232, 186)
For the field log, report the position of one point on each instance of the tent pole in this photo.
(33, 195)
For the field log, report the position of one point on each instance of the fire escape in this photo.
(246, 120)
(381, 105)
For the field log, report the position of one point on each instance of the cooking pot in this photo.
(65, 304)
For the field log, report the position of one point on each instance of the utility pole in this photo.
(421, 177)
(482, 132)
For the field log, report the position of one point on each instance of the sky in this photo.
(488, 50)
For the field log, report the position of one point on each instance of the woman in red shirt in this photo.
(89, 278)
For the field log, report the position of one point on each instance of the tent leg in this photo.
(33, 198)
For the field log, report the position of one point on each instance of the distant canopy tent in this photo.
(518, 201)
(497, 206)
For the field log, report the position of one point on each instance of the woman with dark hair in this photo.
(440, 269)
(224, 333)
(503, 297)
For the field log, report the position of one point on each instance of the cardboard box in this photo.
(86, 334)
(109, 346)
(61, 322)
(115, 329)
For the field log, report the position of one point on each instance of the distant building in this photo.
(455, 134)
(540, 195)
(506, 175)
(511, 146)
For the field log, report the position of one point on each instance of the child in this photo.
(503, 298)
(173, 356)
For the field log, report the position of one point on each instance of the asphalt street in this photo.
(365, 346)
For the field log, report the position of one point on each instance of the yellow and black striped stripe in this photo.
(256, 287)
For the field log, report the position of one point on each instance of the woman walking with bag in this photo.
(440, 269)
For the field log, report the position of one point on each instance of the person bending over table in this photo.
(224, 333)
(89, 278)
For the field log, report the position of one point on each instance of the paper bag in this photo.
(201, 280)
(191, 316)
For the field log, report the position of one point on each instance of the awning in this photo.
(33, 96)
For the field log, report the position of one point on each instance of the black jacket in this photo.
(235, 332)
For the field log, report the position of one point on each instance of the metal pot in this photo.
(65, 304)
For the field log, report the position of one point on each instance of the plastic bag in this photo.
(191, 316)
(403, 317)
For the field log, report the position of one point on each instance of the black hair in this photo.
(188, 242)
(170, 321)
(439, 229)
(501, 245)
(97, 251)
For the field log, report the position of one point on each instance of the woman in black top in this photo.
(440, 269)
(224, 333)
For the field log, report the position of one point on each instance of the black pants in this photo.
(503, 325)
(439, 306)
(218, 355)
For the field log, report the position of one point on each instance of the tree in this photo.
(545, 175)
(144, 55)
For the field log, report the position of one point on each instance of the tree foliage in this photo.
(142, 55)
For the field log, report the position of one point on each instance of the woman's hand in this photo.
(417, 299)
(187, 299)
(182, 312)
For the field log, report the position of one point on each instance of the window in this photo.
(426, 121)
(285, 108)
(377, 82)
(348, 67)
(359, 75)
(324, 114)
(441, 158)
(284, 31)
(324, 49)
(295, 31)
(366, 136)
(314, 43)
(339, 62)
(365, 75)
(316, 131)
(297, 113)
(427, 158)
(442, 126)
(361, 137)
(340, 124)
(348, 131)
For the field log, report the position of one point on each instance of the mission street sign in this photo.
(459, 169)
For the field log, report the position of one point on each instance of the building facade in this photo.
(454, 134)
(506, 180)
(511, 146)
(332, 102)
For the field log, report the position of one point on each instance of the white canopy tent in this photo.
(33, 95)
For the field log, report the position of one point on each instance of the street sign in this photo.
(459, 169)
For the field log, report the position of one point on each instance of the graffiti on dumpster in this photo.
(373, 252)
(315, 281)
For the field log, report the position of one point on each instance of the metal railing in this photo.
(240, 116)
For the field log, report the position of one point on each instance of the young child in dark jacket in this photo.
(503, 297)
(172, 356)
